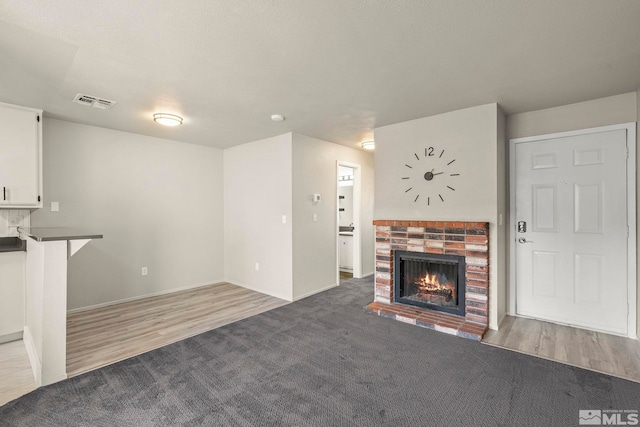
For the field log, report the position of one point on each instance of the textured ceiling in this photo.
(335, 68)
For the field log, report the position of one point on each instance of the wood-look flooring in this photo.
(16, 376)
(102, 336)
(345, 275)
(609, 354)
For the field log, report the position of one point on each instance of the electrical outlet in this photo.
(145, 271)
(315, 217)
(284, 219)
(55, 206)
(257, 266)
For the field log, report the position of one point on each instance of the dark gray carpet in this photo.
(322, 361)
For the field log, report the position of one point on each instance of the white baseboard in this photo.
(154, 294)
(15, 336)
(317, 291)
(262, 291)
(58, 378)
(34, 359)
(366, 275)
(500, 320)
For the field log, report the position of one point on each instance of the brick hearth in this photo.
(468, 239)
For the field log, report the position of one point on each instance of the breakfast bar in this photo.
(45, 331)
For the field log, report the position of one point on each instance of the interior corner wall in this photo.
(469, 136)
(503, 216)
(315, 242)
(156, 201)
(611, 110)
(637, 198)
(257, 195)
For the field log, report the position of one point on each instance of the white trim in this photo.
(14, 336)
(260, 290)
(154, 294)
(632, 219)
(367, 274)
(317, 291)
(32, 353)
(357, 232)
(54, 379)
(631, 214)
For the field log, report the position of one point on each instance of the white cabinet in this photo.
(12, 276)
(20, 157)
(346, 252)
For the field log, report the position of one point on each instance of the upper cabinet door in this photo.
(20, 157)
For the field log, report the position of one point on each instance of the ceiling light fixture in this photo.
(167, 119)
(368, 145)
(277, 117)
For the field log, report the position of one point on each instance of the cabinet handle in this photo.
(4, 193)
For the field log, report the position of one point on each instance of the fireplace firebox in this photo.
(432, 281)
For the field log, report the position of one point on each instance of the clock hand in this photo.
(439, 173)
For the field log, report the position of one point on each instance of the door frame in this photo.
(357, 197)
(632, 284)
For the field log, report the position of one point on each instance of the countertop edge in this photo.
(52, 234)
(54, 239)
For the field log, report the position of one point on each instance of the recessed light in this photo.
(167, 119)
(369, 145)
(277, 117)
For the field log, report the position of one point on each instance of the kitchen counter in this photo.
(12, 244)
(45, 326)
(49, 234)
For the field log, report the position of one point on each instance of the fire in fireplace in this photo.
(431, 281)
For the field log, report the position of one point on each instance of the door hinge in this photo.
(38, 198)
(38, 119)
(627, 151)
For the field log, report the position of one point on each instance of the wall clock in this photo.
(430, 177)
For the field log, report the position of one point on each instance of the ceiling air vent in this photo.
(93, 101)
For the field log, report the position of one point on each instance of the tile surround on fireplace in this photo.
(468, 239)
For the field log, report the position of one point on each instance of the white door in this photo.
(571, 262)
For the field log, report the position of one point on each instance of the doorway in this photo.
(573, 217)
(349, 262)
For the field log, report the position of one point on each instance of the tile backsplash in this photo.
(11, 219)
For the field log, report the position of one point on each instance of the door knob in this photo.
(523, 240)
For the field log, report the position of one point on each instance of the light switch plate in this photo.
(55, 206)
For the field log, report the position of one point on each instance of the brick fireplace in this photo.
(464, 239)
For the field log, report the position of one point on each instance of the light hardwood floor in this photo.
(16, 376)
(103, 336)
(609, 354)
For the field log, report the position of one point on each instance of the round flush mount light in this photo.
(167, 119)
(368, 145)
(277, 117)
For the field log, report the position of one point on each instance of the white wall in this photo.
(157, 202)
(503, 208)
(257, 193)
(314, 243)
(612, 110)
(598, 112)
(471, 137)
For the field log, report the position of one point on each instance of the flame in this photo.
(431, 284)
